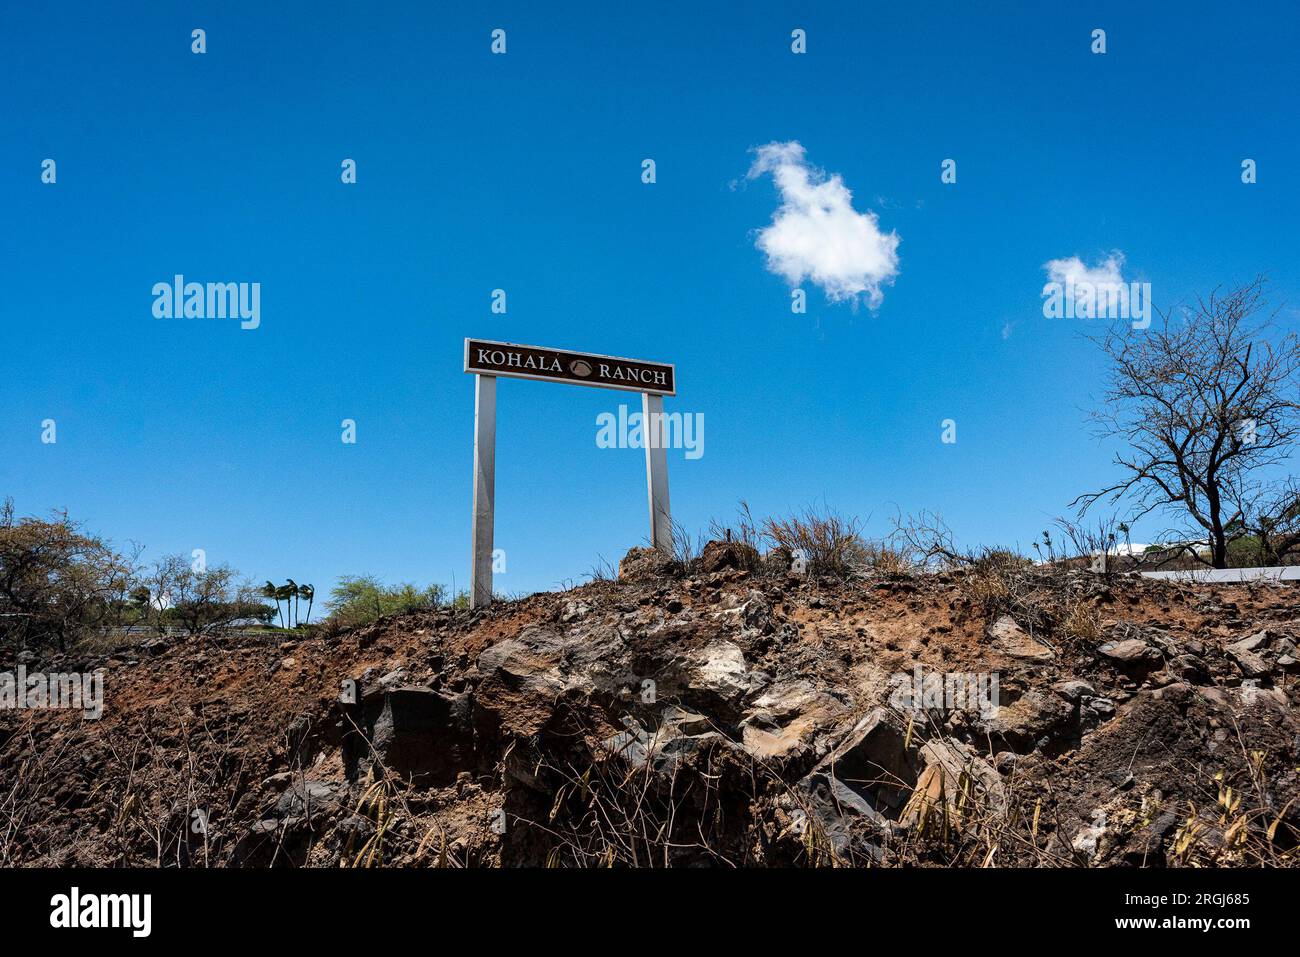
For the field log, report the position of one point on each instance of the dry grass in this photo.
(830, 543)
(1082, 621)
(1240, 820)
(827, 543)
(745, 531)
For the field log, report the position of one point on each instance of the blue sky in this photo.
(523, 172)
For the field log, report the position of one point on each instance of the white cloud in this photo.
(1075, 290)
(816, 233)
(1086, 288)
(1074, 271)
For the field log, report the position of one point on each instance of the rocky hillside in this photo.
(718, 717)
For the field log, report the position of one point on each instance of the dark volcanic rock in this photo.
(717, 556)
(417, 734)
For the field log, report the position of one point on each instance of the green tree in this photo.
(201, 601)
(358, 599)
(141, 603)
(57, 582)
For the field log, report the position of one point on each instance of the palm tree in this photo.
(1125, 530)
(293, 593)
(308, 592)
(284, 593)
(270, 591)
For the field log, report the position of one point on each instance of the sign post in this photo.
(487, 360)
(485, 465)
(654, 438)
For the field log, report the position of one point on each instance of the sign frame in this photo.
(654, 439)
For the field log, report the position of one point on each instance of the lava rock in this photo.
(1009, 637)
(418, 734)
(717, 556)
(1132, 655)
(645, 565)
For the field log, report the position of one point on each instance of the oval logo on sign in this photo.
(580, 368)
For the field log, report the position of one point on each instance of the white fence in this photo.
(1277, 573)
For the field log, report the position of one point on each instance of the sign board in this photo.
(485, 357)
(488, 360)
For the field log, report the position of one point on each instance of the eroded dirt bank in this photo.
(723, 718)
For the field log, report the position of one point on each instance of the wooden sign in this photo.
(485, 357)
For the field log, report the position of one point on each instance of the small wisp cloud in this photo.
(1073, 271)
(817, 235)
(1076, 290)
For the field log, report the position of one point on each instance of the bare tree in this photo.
(927, 541)
(1207, 404)
(1276, 524)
